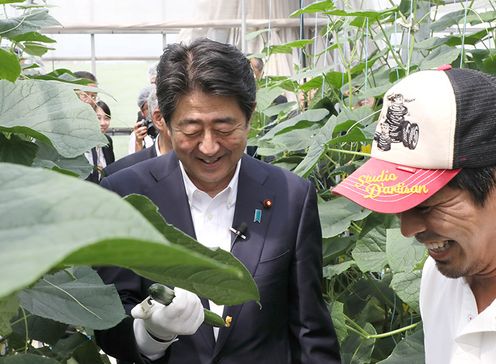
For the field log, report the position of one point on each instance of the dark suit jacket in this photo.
(130, 160)
(108, 154)
(283, 253)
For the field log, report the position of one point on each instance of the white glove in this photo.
(182, 317)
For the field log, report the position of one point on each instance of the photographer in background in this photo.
(161, 146)
(144, 132)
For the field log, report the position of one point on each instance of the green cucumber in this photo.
(164, 295)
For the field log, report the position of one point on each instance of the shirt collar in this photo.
(157, 147)
(232, 187)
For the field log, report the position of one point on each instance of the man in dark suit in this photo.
(206, 93)
(162, 144)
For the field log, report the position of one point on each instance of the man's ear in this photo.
(157, 120)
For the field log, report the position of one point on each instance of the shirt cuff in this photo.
(147, 345)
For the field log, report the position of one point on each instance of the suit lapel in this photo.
(169, 195)
(250, 197)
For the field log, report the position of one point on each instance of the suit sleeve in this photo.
(313, 337)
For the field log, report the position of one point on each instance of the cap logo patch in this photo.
(374, 186)
(395, 128)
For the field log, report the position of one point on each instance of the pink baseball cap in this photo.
(432, 124)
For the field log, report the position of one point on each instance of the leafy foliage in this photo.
(372, 273)
(51, 221)
(54, 226)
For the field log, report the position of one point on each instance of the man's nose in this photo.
(208, 144)
(412, 223)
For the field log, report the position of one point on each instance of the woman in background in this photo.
(100, 157)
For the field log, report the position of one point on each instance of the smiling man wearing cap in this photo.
(434, 163)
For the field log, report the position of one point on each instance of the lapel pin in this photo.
(258, 216)
(267, 203)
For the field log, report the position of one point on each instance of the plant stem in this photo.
(394, 332)
(20, 320)
(360, 331)
(344, 151)
(26, 330)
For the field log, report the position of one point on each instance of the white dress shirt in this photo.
(101, 162)
(454, 331)
(212, 218)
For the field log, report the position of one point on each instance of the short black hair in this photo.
(208, 66)
(478, 182)
(102, 105)
(85, 75)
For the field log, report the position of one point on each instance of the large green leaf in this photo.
(17, 150)
(313, 115)
(38, 328)
(477, 18)
(370, 251)
(357, 349)
(362, 116)
(294, 140)
(47, 157)
(32, 37)
(287, 48)
(469, 39)
(274, 110)
(407, 287)
(339, 320)
(315, 152)
(372, 14)
(334, 247)
(336, 269)
(11, 68)
(316, 7)
(26, 23)
(78, 346)
(403, 254)
(8, 308)
(337, 215)
(175, 236)
(409, 350)
(447, 20)
(266, 96)
(438, 57)
(50, 111)
(77, 297)
(35, 48)
(317, 148)
(49, 220)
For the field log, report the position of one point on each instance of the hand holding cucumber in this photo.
(168, 313)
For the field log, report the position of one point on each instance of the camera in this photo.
(150, 128)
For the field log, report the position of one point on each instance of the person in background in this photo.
(100, 157)
(140, 138)
(434, 163)
(162, 144)
(88, 97)
(206, 186)
(257, 65)
(152, 73)
(103, 115)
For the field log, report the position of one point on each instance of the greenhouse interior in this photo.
(248, 181)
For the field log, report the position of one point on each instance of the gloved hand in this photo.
(182, 317)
